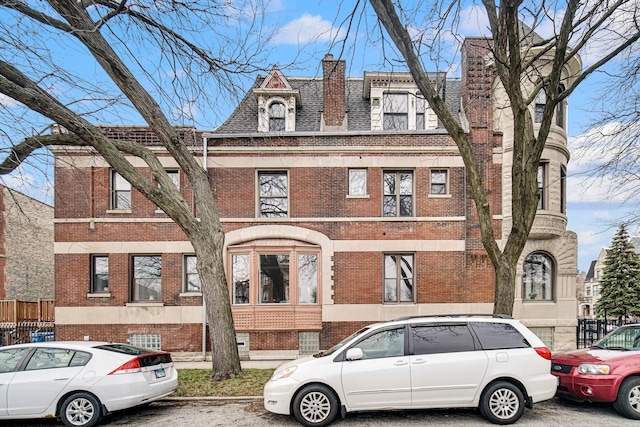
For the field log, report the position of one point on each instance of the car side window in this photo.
(433, 339)
(46, 358)
(10, 358)
(80, 358)
(387, 343)
(497, 336)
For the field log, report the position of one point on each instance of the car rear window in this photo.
(432, 339)
(496, 336)
(126, 349)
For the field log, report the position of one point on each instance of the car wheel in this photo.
(80, 410)
(315, 406)
(502, 403)
(628, 401)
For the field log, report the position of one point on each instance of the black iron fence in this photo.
(591, 330)
(25, 332)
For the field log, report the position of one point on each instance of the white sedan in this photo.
(80, 382)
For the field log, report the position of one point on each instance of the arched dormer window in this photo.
(277, 114)
(538, 277)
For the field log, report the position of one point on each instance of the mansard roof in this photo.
(244, 118)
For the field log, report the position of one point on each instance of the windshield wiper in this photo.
(617, 348)
(320, 354)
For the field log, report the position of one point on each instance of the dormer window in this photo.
(277, 113)
(395, 111)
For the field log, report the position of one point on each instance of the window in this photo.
(146, 341)
(388, 343)
(397, 193)
(264, 275)
(563, 189)
(357, 182)
(542, 173)
(147, 278)
(588, 291)
(420, 112)
(274, 192)
(120, 192)
(277, 112)
(10, 358)
(307, 279)
(240, 279)
(191, 278)
(433, 339)
(395, 111)
(596, 290)
(538, 278)
(540, 104)
(439, 181)
(560, 108)
(174, 175)
(46, 358)
(99, 273)
(497, 336)
(398, 278)
(274, 278)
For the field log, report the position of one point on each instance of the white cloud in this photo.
(28, 184)
(306, 30)
(8, 102)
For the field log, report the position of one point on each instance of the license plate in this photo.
(160, 373)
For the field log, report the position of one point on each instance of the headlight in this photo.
(594, 369)
(283, 374)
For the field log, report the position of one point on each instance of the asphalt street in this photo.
(250, 413)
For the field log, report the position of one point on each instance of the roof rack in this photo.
(494, 316)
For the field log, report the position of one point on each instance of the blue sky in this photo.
(304, 31)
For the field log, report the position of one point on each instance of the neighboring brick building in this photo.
(344, 202)
(26, 247)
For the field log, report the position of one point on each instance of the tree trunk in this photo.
(505, 283)
(208, 246)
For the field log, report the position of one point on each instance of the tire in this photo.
(315, 406)
(628, 401)
(502, 403)
(80, 410)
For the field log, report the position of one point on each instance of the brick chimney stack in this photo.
(334, 116)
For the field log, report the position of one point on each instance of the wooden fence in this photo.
(13, 311)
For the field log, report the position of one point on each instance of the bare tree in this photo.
(520, 59)
(155, 39)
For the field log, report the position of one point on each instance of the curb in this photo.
(226, 399)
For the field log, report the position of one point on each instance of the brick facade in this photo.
(348, 235)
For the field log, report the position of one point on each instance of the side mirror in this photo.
(354, 354)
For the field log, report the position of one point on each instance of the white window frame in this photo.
(260, 197)
(119, 187)
(446, 192)
(361, 180)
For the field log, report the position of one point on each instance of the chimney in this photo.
(334, 116)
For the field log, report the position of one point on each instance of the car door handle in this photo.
(399, 363)
(418, 361)
(61, 379)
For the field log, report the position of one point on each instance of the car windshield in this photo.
(340, 344)
(621, 339)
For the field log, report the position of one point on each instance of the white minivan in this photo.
(492, 362)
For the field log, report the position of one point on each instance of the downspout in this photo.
(204, 304)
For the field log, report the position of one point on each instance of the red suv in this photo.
(609, 371)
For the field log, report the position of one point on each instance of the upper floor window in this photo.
(542, 179)
(563, 189)
(191, 278)
(174, 175)
(398, 278)
(560, 108)
(395, 111)
(99, 273)
(120, 191)
(596, 290)
(146, 277)
(439, 181)
(397, 193)
(274, 193)
(420, 111)
(357, 182)
(537, 278)
(540, 104)
(286, 275)
(277, 113)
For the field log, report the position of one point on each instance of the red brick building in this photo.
(344, 202)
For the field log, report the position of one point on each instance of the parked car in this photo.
(608, 371)
(80, 382)
(490, 362)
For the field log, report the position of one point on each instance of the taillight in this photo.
(544, 352)
(132, 366)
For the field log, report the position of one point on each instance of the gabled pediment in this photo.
(276, 84)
